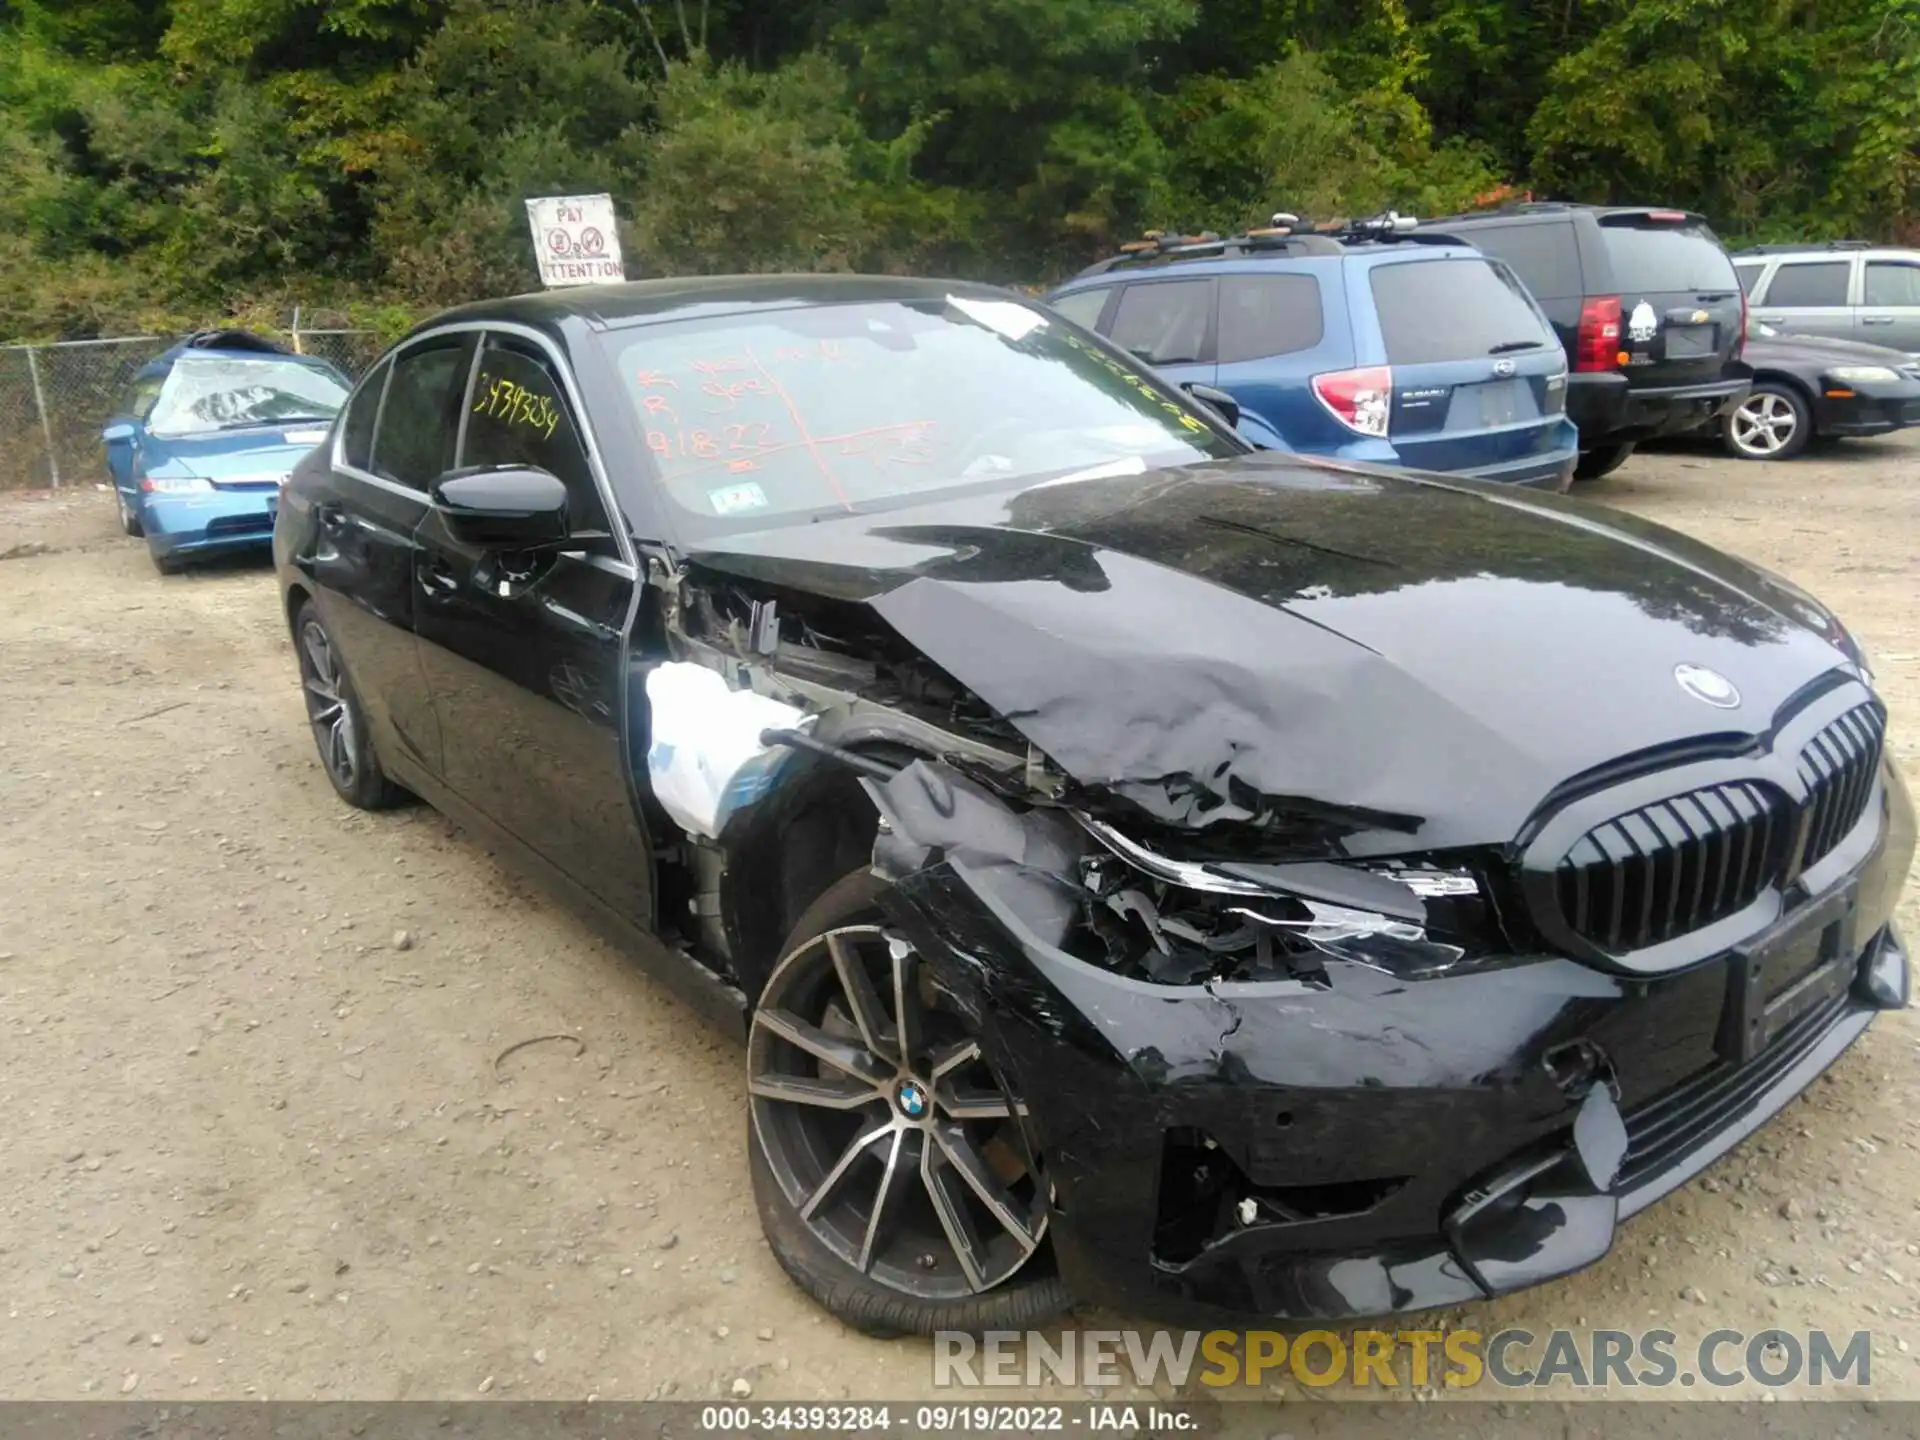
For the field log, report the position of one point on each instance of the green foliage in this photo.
(177, 161)
(1288, 137)
(1038, 104)
(506, 101)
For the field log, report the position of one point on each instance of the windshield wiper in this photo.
(1509, 345)
(275, 420)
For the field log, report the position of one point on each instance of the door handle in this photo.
(1876, 319)
(436, 576)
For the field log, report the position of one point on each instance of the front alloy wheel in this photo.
(1772, 423)
(894, 1181)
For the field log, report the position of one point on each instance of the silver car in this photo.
(1846, 289)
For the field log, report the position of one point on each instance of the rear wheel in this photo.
(1601, 460)
(892, 1176)
(338, 721)
(1774, 422)
(129, 522)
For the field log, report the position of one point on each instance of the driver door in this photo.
(523, 651)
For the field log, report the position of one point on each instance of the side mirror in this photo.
(118, 431)
(1220, 401)
(509, 507)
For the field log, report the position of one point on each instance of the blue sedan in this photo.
(205, 437)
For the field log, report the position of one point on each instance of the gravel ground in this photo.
(262, 1147)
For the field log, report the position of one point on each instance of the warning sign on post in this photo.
(575, 240)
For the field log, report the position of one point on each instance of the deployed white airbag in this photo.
(705, 757)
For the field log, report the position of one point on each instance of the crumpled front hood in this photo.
(1380, 661)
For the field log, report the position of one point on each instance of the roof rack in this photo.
(1805, 245)
(1285, 234)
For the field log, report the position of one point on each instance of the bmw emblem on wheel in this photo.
(913, 1099)
(1709, 687)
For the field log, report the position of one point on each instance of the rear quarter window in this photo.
(1545, 255)
(1667, 258)
(356, 431)
(1454, 309)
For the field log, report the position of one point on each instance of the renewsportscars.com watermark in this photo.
(1455, 1359)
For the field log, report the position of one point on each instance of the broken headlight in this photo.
(1177, 922)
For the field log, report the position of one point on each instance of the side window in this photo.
(1544, 254)
(1083, 307)
(1893, 282)
(1823, 282)
(519, 416)
(1749, 273)
(1262, 315)
(356, 431)
(141, 396)
(422, 413)
(1164, 322)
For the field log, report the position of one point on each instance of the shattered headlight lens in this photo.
(1180, 922)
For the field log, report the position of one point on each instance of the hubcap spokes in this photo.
(885, 1127)
(1764, 424)
(326, 703)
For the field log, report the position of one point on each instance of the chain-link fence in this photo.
(54, 398)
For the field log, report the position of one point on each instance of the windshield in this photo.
(777, 415)
(205, 393)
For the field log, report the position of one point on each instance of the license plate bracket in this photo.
(1781, 979)
(1687, 342)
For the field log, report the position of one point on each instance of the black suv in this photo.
(1646, 303)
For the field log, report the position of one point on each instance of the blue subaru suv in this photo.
(1377, 346)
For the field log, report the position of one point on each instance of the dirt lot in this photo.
(261, 1147)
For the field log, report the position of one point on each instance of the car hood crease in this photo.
(1351, 661)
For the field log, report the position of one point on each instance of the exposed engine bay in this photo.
(1176, 922)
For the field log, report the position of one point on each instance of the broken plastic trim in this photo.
(1396, 894)
(1175, 872)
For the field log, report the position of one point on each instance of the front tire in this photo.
(339, 722)
(1601, 460)
(1774, 422)
(891, 1173)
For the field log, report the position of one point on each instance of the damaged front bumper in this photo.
(1365, 1144)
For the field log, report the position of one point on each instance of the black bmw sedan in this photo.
(1144, 871)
